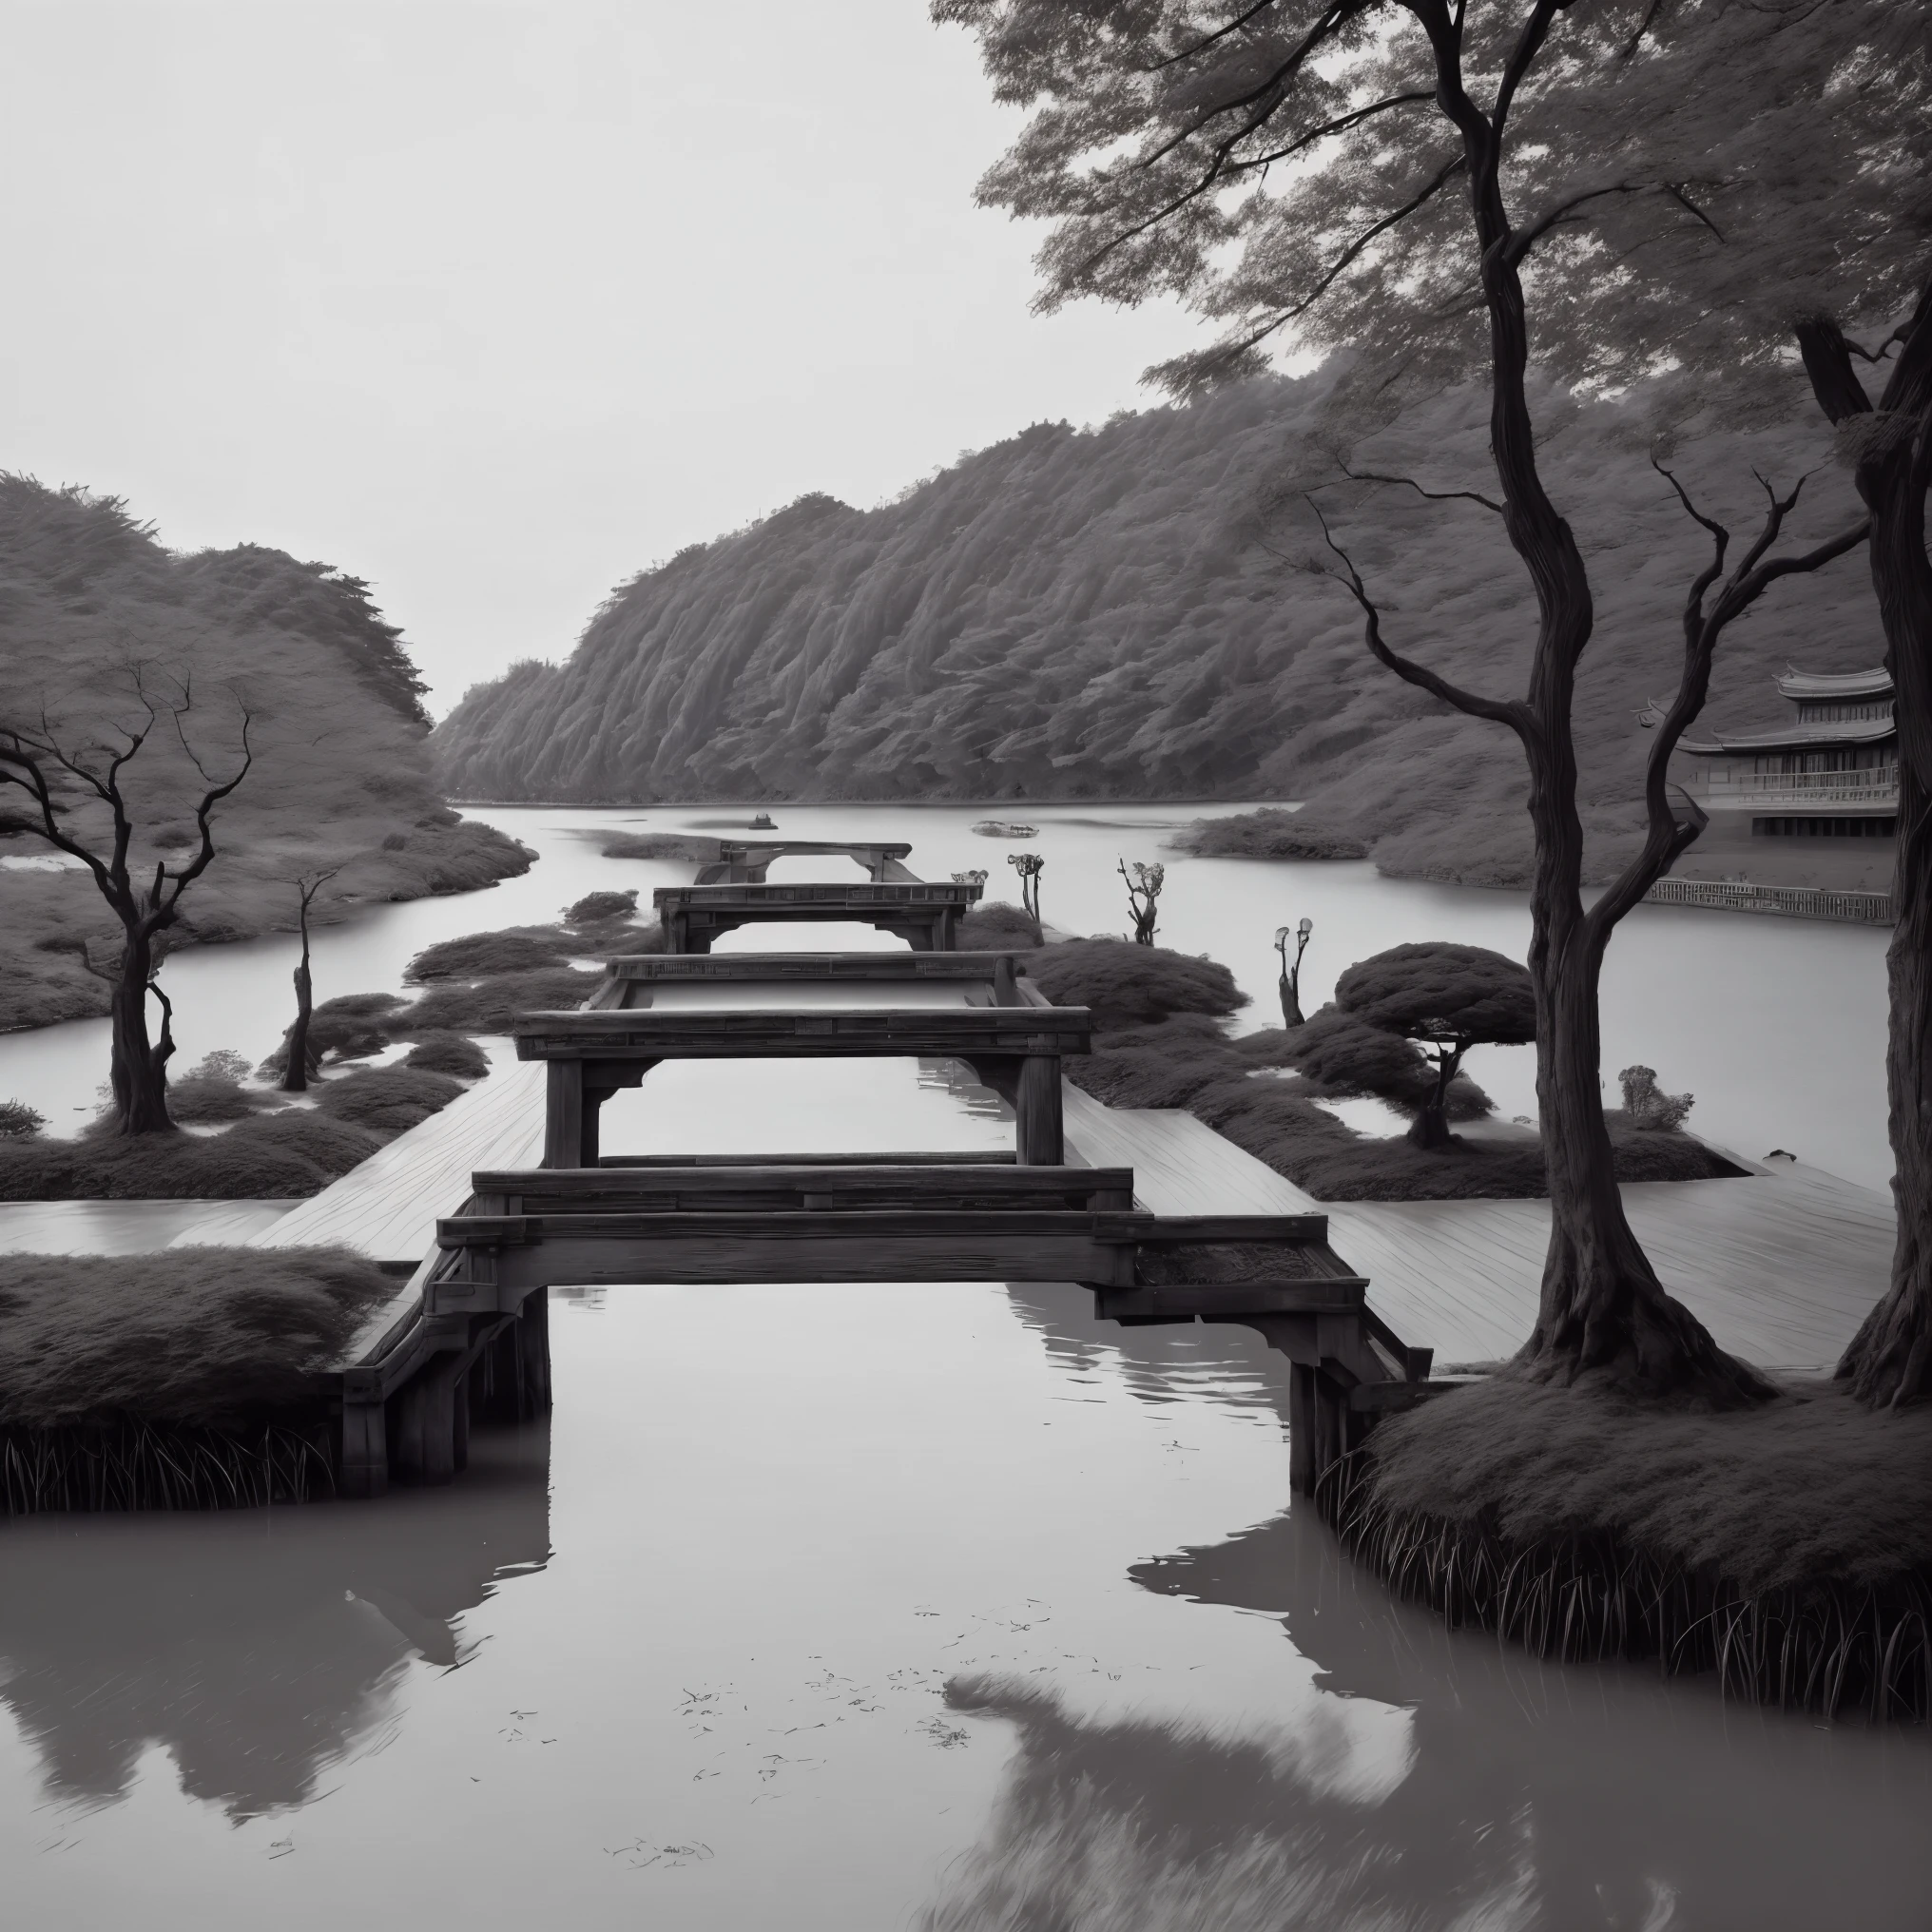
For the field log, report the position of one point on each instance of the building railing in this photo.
(1793, 901)
(1875, 785)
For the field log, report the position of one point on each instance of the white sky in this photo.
(494, 305)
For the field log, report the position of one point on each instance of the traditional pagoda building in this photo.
(1811, 803)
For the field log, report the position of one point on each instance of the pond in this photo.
(683, 1658)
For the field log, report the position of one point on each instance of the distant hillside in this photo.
(1125, 612)
(89, 600)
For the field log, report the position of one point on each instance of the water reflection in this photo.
(1530, 1797)
(258, 1648)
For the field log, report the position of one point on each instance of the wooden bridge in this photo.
(466, 1335)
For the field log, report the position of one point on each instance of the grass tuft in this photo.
(1128, 985)
(996, 926)
(202, 1337)
(494, 1005)
(452, 1054)
(1787, 1547)
(475, 955)
(386, 1099)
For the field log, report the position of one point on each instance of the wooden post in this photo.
(594, 1098)
(1005, 983)
(426, 1421)
(534, 1345)
(564, 1115)
(1302, 1428)
(1041, 1139)
(364, 1470)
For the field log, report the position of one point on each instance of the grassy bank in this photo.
(192, 1378)
(1159, 1041)
(1786, 1548)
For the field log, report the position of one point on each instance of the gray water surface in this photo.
(883, 1606)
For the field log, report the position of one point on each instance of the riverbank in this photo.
(1786, 1548)
(196, 1378)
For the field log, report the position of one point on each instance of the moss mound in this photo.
(998, 927)
(1811, 1488)
(664, 845)
(386, 1099)
(271, 1157)
(599, 908)
(452, 1054)
(473, 956)
(1128, 985)
(1270, 833)
(494, 1005)
(208, 1099)
(192, 1335)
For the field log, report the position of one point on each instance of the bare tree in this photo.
(1377, 174)
(1142, 897)
(296, 1079)
(67, 781)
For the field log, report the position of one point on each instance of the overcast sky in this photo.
(494, 305)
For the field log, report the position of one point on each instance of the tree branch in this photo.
(1409, 482)
(1519, 243)
(1516, 716)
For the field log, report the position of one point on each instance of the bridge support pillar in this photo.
(432, 1423)
(1037, 1111)
(364, 1468)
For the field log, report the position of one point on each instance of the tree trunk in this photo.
(1430, 1128)
(138, 1066)
(1890, 1359)
(1602, 1309)
(294, 1076)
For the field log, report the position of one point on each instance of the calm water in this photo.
(682, 1661)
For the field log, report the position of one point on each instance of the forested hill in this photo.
(1128, 611)
(94, 611)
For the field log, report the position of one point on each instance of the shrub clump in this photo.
(348, 1026)
(387, 1099)
(664, 845)
(494, 1005)
(1128, 985)
(191, 1335)
(1270, 833)
(452, 1054)
(208, 1099)
(1345, 1057)
(998, 927)
(598, 908)
(19, 1121)
(1809, 1488)
(270, 1157)
(477, 955)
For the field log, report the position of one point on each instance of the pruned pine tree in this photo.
(75, 797)
(1415, 182)
(1446, 998)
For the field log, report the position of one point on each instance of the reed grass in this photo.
(130, 1464)
(1787, 1550)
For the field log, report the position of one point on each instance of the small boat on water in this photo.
(762, 823)
(1004, 828)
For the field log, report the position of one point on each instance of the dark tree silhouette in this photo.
(1142, 897)
(300, 1062)
(67, 782)
(1028, 865)
(1447, 999)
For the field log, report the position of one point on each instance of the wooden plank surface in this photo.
(837, 1032)
(862, 895)
(388, 1205)
(1181, 1166)
(1782, 1266)
(704, 967)
(544, 1190)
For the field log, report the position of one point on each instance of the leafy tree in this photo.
(1446, 998)
(77, 800)
(1399, 177)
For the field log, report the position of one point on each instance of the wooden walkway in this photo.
(1781, 1266)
